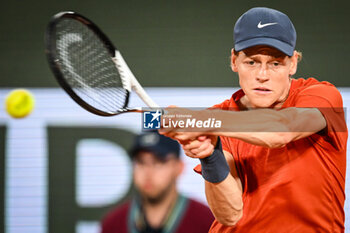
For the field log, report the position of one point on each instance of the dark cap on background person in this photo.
(265, 26)
(155, 143)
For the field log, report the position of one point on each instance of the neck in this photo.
(157, 213)
(280, 103)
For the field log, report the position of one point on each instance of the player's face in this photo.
(264, 75)
(154, 178)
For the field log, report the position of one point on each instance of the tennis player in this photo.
(279, 163)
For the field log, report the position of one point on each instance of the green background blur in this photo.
(173, 43)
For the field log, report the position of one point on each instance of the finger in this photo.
(193, 144)
(202, 137)
(189, 154)
(184, 142)
(182, 137)
(202, 146)
(187, 136)
(205, 153)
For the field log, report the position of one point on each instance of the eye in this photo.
(276, 63)
(251, 62)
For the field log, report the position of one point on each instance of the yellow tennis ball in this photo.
(19, 103)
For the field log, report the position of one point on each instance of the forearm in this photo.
(260, 127)
(224, 196)
(225, 200)
(266, 127)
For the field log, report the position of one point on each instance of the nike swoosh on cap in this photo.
(265, 24)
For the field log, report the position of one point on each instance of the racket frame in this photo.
(128, 79)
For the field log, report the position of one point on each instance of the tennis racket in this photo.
(89, 67)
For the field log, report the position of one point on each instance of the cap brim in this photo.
(159, 152)
(283, 47)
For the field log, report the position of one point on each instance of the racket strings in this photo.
(104, 79)
(87, 66)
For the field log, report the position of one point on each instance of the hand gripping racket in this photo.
(89, 67)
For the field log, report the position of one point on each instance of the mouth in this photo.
(147, 187)
(262, 90)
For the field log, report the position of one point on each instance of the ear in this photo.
(233, 61)
(294, 65)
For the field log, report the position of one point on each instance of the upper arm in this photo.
(302, 122)
(328, 100)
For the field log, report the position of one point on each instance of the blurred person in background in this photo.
(157, 206)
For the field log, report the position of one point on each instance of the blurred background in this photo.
(62, 168)
(173, 43)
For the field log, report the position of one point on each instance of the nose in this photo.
(262, 74)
